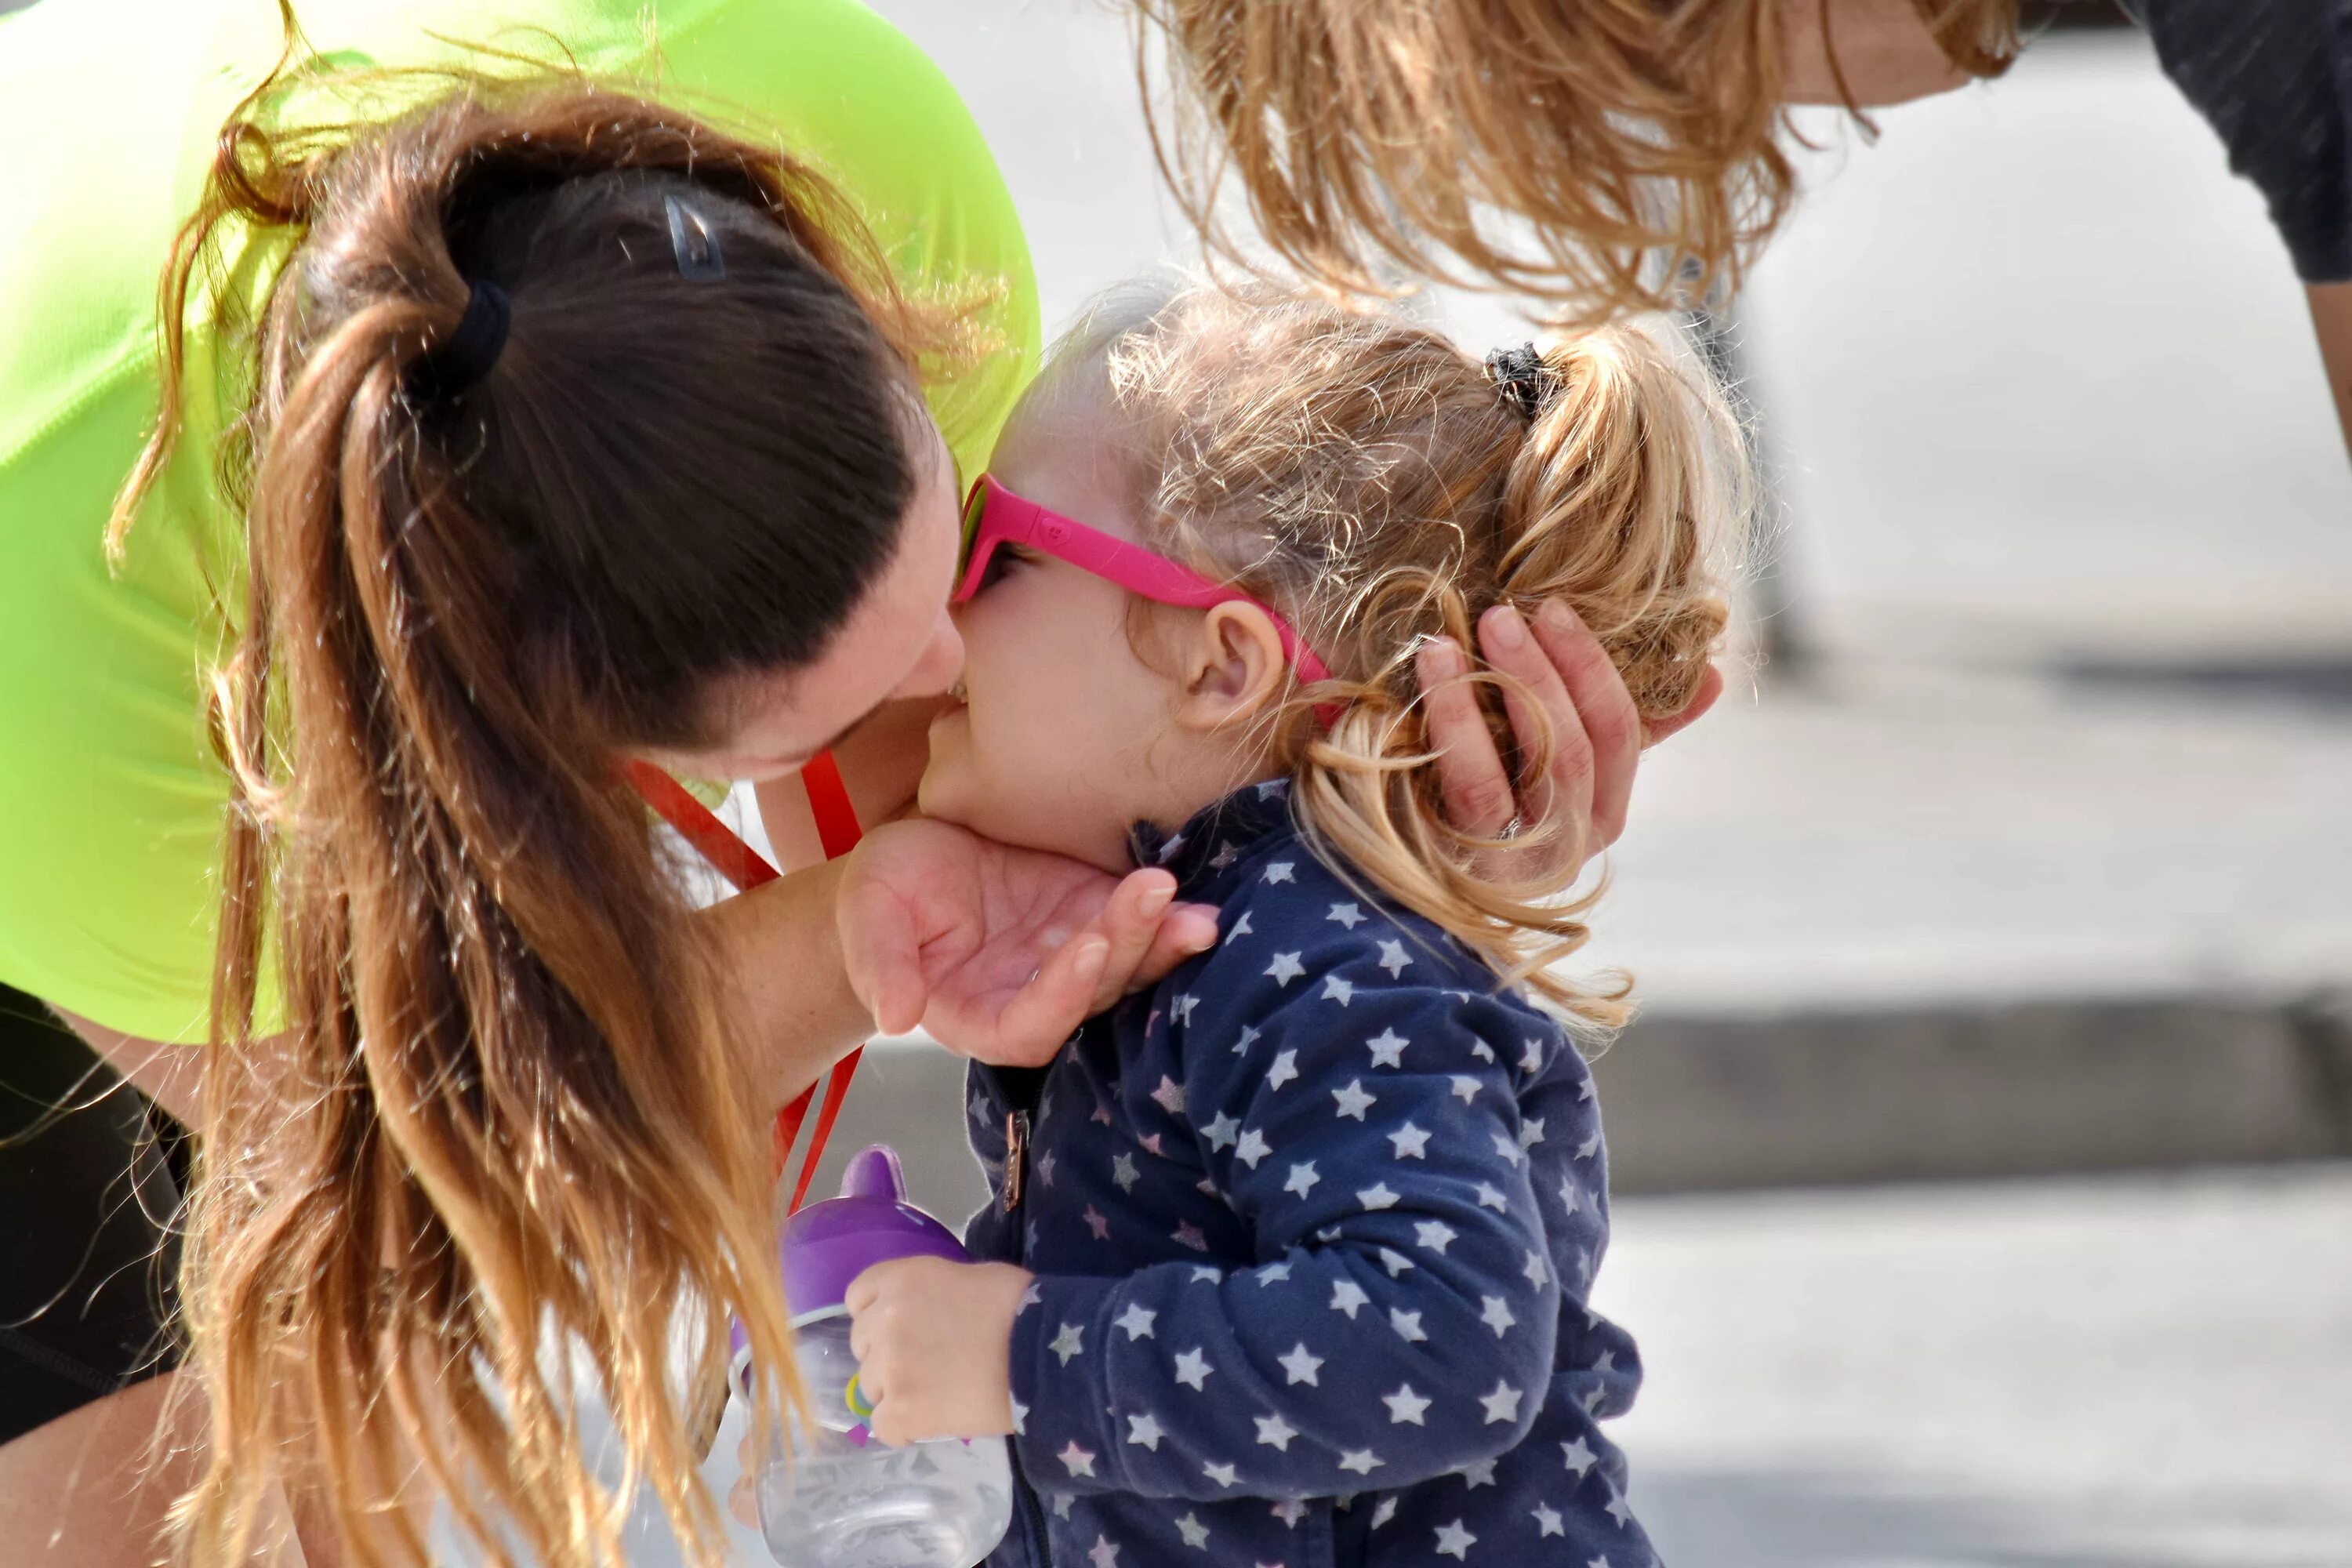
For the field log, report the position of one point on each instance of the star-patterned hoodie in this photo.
(1313, 1223)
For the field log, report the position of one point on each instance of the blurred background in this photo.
(1981, 1145)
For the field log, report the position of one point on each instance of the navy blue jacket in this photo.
(1313, 1223)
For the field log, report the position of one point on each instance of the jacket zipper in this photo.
(1016, 1184)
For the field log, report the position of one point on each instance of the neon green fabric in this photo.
(111, 796)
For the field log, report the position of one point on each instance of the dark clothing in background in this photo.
(2275, 80)
(87, 1195)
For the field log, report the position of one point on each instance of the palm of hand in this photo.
(975, 919)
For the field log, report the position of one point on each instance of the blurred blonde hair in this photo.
(1635, 139)
(1371, 480)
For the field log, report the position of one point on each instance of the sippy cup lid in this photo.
(827, 1245)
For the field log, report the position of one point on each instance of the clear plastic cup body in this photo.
(835, 1497)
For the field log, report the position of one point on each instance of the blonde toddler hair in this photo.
(1379, 485)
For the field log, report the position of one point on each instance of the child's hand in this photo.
(933, 1342)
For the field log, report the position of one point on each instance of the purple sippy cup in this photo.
(832, 1497)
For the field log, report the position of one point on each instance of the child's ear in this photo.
(1234, 668)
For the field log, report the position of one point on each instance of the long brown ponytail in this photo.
(471, 1096)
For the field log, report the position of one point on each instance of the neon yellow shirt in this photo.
(110, 796)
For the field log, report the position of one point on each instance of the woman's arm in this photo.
(2331, 317)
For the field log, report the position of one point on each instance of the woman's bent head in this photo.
(686, 504)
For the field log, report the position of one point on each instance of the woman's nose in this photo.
(941, 664)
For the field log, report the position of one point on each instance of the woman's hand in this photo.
(1597, 740)
(933, 1342)
(1001, 953)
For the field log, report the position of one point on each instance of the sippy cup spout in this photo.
(874, 1172)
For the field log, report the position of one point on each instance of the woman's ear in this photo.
(1234, 668)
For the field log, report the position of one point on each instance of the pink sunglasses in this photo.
(994, 515)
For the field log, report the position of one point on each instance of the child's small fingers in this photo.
(743, 1502)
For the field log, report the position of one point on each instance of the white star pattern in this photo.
(1302, 1179)
(1062, 1505)
(1226, 856)
(1223, 1475)
(1195, 1533)
(1433, 1234)
(1393, 959)
(1532, 1062)
(1347, 915)
(1571, 1197)
(1547, 1520)
(1219, 1133)
(1363, 1461)
(1405, 1406)
(1273, 1274)
(1045, 1169)
(1347, 1296)
(1482, 1050)
(1097, 1223)
(1193, 1368)
(1251, 1148)
(1104, 1555)
(1407, 1325)
(1508, 1148)
(1619, 1508)
(1029, 1298)
(1285, 1068)
(1491, 1197)
(1338, 990)
(1136, 1321)
(1278, 872)
(1300, 1368)
(1076, 1460)
(1474, 1476)
(1384, 1512)
(1180, 1011)
(1019, 1418)
(1376, 1196)
(1171, 1094)
(1150, 1146)
(1580, 1457)
(1241, 928)
(1290, 1511)
(1275, 1432)
(1503, 1404)
(1589, 1148)
(1410, 1140)
(1388, 1049)
(1285, 968)
(1190, 1235)
(1353, 1101)
(1531, 1133)
(1453, 1541)
(1203, 1272)
(1069, 1342)
(1144, 1430)
(1497, 1315)
(1584, 1089)
(1249, 1037)
(1465, 1088)
(1536, 1270)
(1395, 1262)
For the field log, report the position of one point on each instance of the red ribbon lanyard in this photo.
(837, 832)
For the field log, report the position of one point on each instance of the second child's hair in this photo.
(1380, 486)
(1555, 148)
(500, 1121)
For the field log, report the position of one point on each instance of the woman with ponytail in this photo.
(520, 424)
(1611, 156)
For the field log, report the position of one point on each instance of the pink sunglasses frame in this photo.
(1005, 518)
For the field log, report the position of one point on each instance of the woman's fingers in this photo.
(1049, 1009)
(1599, 775)
(1186, 930)
(1130, 923)
(882, 952)
(1471, 779)
(1504, 642)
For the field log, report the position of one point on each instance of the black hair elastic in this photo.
(459, 361)
(1521, 376)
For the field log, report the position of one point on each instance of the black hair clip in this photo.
(1521, 376)
(695, 242)
(458, 362)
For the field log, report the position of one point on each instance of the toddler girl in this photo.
(1295, 1246)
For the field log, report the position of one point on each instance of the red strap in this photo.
(837, 833)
